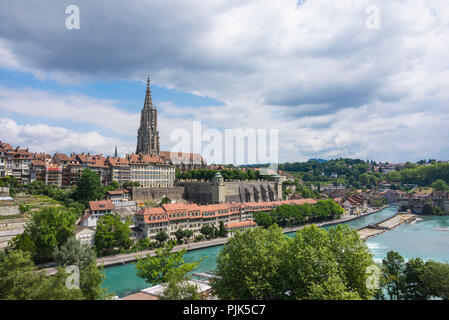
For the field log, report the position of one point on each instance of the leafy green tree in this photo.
(49, 228)
(221, 230)
(414, 287)
(19, 280)
(288, 215)
(438, 211)
(315, 264)
(91, 279)
(161, 237)
(248, 265)
(24, 208)
(165, 200)
(332, 262)
(188, 234)
(440, 185)
(73, 252)
(331, 288)
(208, 231)
(164, 266)
(353, 258)
(180, 235)
(88, 188)
(436, 278)
(179, 288)
(114, 185)
(112, 233)
(144, 244)
(130, 184)
(392, 275)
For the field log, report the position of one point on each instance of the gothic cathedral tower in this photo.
(148, 135)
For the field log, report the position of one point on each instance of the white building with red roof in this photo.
(96, 210)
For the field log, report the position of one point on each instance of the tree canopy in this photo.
(112, 233)
(314, 264)
(293, 215)
(164, 266)
(20, 280)
(440, 185)
(49, 228)
(413, 280)
(88, 188)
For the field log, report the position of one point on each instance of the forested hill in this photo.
(423, 175)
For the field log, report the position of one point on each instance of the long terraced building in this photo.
(172, 217)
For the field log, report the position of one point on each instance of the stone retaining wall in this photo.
(9, 211)
(156, 194)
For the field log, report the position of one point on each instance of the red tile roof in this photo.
(176, 211)
(181, 156)
(153, 215)
(144, 159)
(38, 162)
(118, 191)
(240, 224)
(117, 162)
(101, 205)
(140, 296)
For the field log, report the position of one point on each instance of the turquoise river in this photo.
(427, 238)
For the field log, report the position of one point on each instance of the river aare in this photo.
(427, 238)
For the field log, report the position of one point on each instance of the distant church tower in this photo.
(148, 135)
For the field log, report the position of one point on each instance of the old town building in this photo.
(120, 170)
(172, 217)
(150, 171)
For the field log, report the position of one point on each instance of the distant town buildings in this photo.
(149, 166)
(417, 201)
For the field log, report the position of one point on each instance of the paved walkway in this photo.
(124, 258)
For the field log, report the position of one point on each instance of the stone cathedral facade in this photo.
(148, 135)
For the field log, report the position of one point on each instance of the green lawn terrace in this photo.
(23, 204)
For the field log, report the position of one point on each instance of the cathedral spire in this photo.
(148, 101)
(148, 135)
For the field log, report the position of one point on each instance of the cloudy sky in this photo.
(347, 78)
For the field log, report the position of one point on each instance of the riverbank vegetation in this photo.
(413, 280)
(296, 215)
